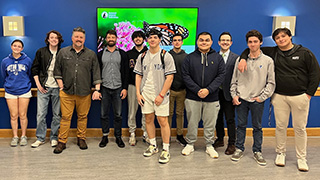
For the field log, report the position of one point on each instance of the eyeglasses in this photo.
(177, 40)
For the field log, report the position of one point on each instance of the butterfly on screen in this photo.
(167, 30)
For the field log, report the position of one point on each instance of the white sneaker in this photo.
(23, 141)
(212, 153)
(14, 142)
(37, 144)
(302, 165)
(187, 150)
(54, 143)
(132, 140)
(164, 157)
(280, 159)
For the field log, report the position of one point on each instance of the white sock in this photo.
(153, 142)
(145, 134)
(165, 146)
(132, 134)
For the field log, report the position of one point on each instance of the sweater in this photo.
(16, 74)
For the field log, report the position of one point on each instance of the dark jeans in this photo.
(256, 116)
(111, 96)
(228, 109)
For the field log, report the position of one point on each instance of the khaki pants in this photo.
(178, 97)
(132, 110)
(82, 104)
(298, 106)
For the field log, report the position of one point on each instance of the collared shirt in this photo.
(111, 65)
(77, 70)
(225, 55)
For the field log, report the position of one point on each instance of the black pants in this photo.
(228, 110)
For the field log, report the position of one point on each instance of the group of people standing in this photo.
(210, 85)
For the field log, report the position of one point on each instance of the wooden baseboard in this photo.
(96, 132)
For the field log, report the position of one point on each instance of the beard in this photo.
(111, 44)
(139, 44)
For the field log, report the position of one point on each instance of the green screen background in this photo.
(186, 17)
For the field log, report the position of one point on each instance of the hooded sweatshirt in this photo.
(16, 74)
(203, 71)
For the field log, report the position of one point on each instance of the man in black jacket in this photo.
(114, 72)
(42, 72)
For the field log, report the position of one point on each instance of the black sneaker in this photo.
(104, 141)
(181, 140)
(119, 142)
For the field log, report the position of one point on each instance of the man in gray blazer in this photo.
(225, 100)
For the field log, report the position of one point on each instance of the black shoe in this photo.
(82, 144)
(119, 142)
(218, 143)
(104, 141)
(181, 140)
(59, 148)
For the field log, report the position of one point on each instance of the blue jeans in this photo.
(42, 110)
(256, 116)
(111, 96)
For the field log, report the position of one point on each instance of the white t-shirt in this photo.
(51, 82)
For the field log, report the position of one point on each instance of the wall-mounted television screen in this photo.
(168, 20)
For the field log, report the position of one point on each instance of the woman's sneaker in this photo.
(14, 142)
(23, 141)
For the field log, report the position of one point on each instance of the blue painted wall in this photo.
(215, 16)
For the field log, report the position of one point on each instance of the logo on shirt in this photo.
(16, 68)
(131, 63)
(295, 57)
(158, 66)
(260, 66)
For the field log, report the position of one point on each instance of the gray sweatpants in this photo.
(208, 112)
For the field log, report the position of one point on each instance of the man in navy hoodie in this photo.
(203, 72)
